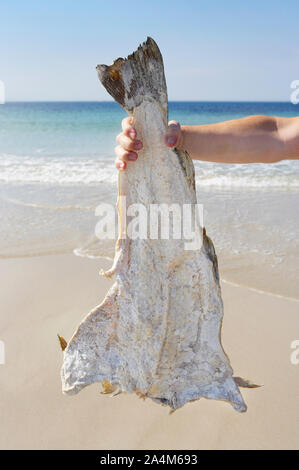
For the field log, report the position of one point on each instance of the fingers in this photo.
(125, 155)
(128, 129)
(173, 133)
(128, 144)
(120, 165)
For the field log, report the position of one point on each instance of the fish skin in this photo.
(158, 331)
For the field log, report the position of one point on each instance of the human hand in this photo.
(128, 144)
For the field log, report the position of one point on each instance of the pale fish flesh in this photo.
(158, 331)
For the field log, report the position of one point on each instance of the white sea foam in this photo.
(25, 169)
(282, 175)
(64, 170)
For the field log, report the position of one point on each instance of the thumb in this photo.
(172, 134)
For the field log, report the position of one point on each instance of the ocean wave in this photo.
(15, 169)
(67, 170)
(282, 175)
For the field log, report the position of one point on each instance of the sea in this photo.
(57, 166)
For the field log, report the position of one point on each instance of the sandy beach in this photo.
(43, 296)
(219, 81)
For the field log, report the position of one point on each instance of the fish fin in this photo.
(107, 388)
(91, 355)
(141, 395)
(139, 77)
(108, 274)
(245, 383)
(62, 342)
(120, 259)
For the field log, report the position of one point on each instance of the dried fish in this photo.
(158, 331)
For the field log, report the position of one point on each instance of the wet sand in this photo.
(43, 296)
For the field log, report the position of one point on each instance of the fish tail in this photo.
(138, 77)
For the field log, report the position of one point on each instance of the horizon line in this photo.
(170, 101)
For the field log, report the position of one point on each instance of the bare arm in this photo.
(254, 139)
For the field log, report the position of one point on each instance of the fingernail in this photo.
(138, 144)
(132, 133)
(171, 140)
(132, 156)
(122, 165)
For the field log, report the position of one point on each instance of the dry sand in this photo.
(43, 296)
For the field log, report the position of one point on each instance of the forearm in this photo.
(254, 139)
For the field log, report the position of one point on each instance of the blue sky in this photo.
(213, 50)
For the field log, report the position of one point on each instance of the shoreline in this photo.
(255, 234)
(101, 259)
(259, 291)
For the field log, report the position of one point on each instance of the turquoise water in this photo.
(73, 142)
(88, 129)
(57, 165)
